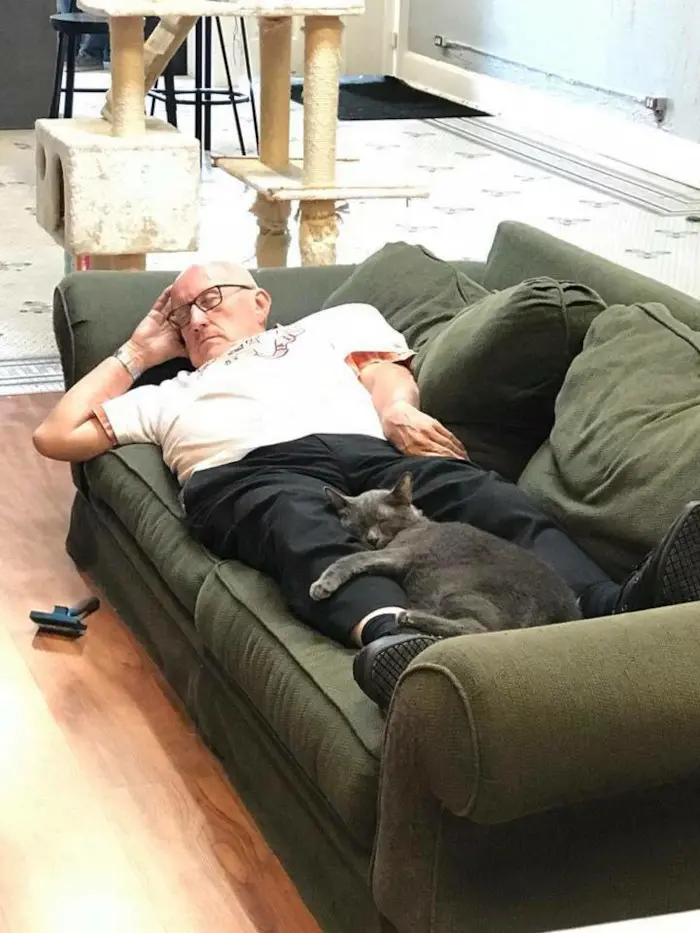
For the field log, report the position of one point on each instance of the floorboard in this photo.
(113, 814)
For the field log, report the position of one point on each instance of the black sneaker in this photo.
(378, 666)
(670, 574)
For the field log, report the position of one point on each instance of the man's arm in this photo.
(397, 400)
(72, 431)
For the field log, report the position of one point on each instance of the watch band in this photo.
(125, 357)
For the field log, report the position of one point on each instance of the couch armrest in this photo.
(514, 723)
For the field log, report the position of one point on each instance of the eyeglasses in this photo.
(209, 299)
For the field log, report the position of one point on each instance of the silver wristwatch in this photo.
(125, 357)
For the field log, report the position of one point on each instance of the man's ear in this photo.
(263, 303)
(402, 492)
(336, 499)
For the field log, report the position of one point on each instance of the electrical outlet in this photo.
(658, 106)
(439, 41)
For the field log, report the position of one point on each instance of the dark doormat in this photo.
(378, 98)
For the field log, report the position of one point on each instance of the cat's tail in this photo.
(438, 626)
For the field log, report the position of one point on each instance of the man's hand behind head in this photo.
(156, 339)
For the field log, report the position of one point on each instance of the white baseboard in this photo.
(536, 113)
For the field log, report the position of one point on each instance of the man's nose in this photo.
(197, 316)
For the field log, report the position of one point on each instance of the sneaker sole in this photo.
(678, 572)
(377, 673)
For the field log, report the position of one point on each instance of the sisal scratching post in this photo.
(272, 242)
(127, 103)
(318, 230)
(126, 39)
(134, 263)
(161, 46)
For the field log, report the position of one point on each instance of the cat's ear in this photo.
(403, 490)
(336, 499)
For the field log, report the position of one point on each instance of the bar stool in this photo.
(203, 94)
(71, 27)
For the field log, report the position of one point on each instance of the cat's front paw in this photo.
(322, 588)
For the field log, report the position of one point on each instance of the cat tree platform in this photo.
(289, 185)
(277, 179)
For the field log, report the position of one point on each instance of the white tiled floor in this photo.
(472, 190)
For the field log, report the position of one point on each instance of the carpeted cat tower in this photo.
(123, 186)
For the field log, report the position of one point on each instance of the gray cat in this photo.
(459, 580)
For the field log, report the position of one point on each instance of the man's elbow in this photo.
(52, 445)
(45, 443)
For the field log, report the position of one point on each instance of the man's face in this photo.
(229, 308)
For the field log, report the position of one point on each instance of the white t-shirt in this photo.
(277, 386)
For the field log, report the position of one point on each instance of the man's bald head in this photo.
(198, 277)
(216, 304)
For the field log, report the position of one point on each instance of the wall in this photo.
(362, 51)
(611, 53)
(27, 55)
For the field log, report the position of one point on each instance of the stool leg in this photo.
(232, 93)
(198, 80)
(249, 76)
(170, 99)
(153, 100)
(70, 77)
(207, 84)
(58, 77)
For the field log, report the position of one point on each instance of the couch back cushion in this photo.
(492, 374)
(520, 251)
(622, 457)
(416, 292)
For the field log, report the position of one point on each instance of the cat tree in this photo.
(126, 185)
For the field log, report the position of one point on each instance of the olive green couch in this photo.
(523, 781)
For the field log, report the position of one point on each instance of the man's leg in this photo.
(280, 522)
(454, 490)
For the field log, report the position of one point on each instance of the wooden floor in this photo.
(113, 815)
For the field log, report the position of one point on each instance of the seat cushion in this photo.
(301, 685)
(622, 458)
(135, 484)
(497, 367)
(416, 292)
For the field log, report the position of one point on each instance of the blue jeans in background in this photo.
(96, 47)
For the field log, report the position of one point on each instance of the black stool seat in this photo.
(79, 24)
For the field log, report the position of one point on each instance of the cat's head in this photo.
(377, 516)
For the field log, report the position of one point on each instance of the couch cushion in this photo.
(415, 291)
(135, 484)
(522, 252)
(497, 367)
(622, 458)
(301, 684)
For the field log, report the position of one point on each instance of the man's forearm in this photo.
(390, 384)
(107, 380)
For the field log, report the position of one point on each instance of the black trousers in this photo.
(269, 510)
